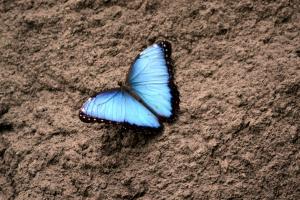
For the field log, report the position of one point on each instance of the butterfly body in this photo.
(146, 97)
(126, 88)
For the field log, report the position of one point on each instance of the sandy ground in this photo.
(237, 70)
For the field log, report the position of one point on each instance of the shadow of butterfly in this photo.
(146, 98)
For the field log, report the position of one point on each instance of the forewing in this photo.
(151, 78)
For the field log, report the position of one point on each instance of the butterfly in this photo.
(145, 99)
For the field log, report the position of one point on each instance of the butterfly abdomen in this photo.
(139, 99)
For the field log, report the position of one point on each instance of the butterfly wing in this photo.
(117, 106)
(150, 77)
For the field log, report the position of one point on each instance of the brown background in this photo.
(237, 65)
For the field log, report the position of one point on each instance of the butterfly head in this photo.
(123, 86)
(120, 83)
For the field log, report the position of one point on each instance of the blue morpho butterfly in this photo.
(145, 99)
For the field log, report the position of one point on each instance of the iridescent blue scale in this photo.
(147, 96)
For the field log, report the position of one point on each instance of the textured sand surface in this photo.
(237, 70)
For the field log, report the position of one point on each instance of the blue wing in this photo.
(117, 106)
(150, 77)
